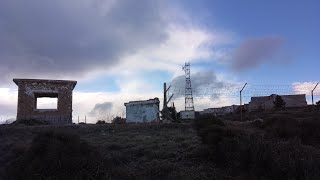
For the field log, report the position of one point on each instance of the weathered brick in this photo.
(30, 89)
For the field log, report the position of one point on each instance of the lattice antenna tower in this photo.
(188, 89)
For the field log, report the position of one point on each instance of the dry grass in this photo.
(56, 154)
(168, 151)
(280, 147)
(284, 146)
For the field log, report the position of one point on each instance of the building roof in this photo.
(261, 99)
(150, 101)
(49, 81)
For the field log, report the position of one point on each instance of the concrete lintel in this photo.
(50, 81)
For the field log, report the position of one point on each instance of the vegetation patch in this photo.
(306, 130)
(283, 144)
(30, 122)
(56, 155)
(281, 154)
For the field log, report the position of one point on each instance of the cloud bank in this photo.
(305, 88)
(60, 39)
(203, 84)
(101, 109)
(254, 52)
(121, 39)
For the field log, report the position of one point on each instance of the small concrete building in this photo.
(30, 90)
(187, 115)
(143, 111)
(266, 102)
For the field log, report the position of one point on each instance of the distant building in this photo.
(266, 102)
(142, 111)
(220, 111)
(243, 108)
(187, 115)
(208, 111)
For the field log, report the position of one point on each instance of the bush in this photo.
(279, 103)
(318, 103)
(30, 122)
(56, 155)
(289, 128)
(254, 156)
(119, 120)
(281, 126)
(206, 122)
(101, 122)
(309, 132)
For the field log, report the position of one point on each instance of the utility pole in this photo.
(165, 95)
(312, 94)
(241, 101)
(78, 119)
(85, 119)
(188, 90)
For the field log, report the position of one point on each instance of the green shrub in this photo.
(119, 120)
(210, 130)
(30, 122)
(305, 130)
(309, 132)
(279, 103)
(254, 156)
(56, 155)
(206, 122)
(282, 126)
(101, 122)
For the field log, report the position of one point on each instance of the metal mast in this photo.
(188, 90)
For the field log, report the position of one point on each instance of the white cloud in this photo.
(8, 102)
(111, 43)
(184, 43)
(305, 88)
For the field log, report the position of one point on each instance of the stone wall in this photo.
(31, 89)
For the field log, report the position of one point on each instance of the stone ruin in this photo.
(29, 90)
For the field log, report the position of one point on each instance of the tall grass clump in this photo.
(306, 130)
(30, 122)
(56, 155)
(248, 154)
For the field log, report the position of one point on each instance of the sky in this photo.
(123, 50)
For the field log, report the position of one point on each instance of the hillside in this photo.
(282, 146)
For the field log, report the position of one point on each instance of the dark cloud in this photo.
(101, 109)
(45, 38)
(203, 84)
(254, 52)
